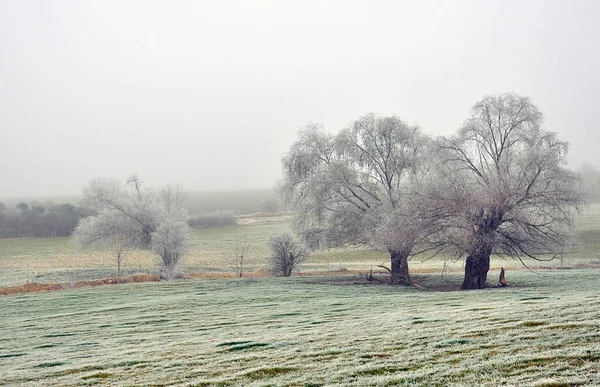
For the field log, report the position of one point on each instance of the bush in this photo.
(217, 218)
(286, 254)
(171, 241)
(270, 205)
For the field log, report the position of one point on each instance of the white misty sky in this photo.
(210, 94)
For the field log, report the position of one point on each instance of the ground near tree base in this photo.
(541, 330)
(346, 277)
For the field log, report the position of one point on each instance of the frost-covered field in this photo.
(542, 330)
(54, 260)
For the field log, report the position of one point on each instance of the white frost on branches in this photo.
(133, 216)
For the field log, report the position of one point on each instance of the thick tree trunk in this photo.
(478, 262)
(476, 269)
(399, 271)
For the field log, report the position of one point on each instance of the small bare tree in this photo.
(240, 255)
(286, 254)
(108, 230)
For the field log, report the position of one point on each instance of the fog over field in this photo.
(211, 94)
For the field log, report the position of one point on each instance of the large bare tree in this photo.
(505, 187)
(356, 187)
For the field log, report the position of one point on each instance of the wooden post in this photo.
(502, 280)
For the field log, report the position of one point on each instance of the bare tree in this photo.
(286, 254)
(133, 200)
(172, 197)
(240, 254)
(109, 230)
(356, 187)
(505, 187)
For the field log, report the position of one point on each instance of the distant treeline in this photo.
(33, 219)
(49, 219)
(219, 218)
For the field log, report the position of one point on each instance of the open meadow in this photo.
(55, 260)
(333, 328)
(543, 330)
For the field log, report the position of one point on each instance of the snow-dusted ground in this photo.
(544, 329)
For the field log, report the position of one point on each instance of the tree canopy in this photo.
(355, 187)
(133, 216)
(506, 188)
(500, 185)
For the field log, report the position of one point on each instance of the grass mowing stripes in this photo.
(306, 331)
(542, 330)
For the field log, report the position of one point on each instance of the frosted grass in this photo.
(542, 330)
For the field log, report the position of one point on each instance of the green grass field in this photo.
(54, 260)
(330, 329)
(543, 330)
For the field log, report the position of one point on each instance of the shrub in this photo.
(171, 241)
(270, 205)
(286, 254)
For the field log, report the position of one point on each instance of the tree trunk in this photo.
(476, 269)
(399, 271)
(119, 270)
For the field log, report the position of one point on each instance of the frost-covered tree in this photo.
(108, 230)
(357, 187)
(504, 187)
(286, 254)
(589, 180)
(171, 241)
(240, 255)
(172, 238)
(133, 200)
(134, 216)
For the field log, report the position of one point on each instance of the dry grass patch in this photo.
(31, 287)
(48, 287)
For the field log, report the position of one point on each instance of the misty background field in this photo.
(55, 260)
